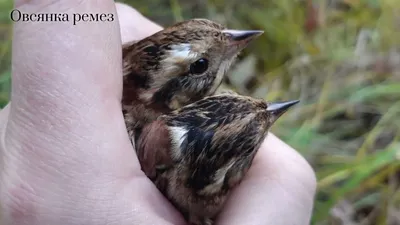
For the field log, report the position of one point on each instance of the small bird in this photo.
(177, 66)
(195, 155)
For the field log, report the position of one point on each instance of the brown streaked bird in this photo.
(177, 66)
(195, 155)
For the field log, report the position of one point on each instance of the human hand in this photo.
(65, 153)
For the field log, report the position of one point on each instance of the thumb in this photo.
(66, 86)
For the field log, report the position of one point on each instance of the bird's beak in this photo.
(277, 109)
(239, 39)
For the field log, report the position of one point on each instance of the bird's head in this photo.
(216, 138)
(182, 63)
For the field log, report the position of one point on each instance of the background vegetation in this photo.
(341, 58)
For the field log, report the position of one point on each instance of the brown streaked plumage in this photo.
(195, 155)
(177, 66)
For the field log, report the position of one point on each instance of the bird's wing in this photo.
(197, 147)
(152, 148)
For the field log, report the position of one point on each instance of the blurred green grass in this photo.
(341, 59)
(5, 51)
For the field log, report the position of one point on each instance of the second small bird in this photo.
(197, 154)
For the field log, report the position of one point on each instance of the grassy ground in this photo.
(342, 60)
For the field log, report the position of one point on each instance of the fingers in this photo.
(278, 189)
(57, 58)
(65, 68)
(133, 25)
(66, 149)
(66, 89)
(3, 122)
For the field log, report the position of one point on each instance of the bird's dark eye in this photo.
(200, 66)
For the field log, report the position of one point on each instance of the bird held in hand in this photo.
(177, 66)
(195, 155)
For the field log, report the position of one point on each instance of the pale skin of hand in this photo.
(65, 155)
